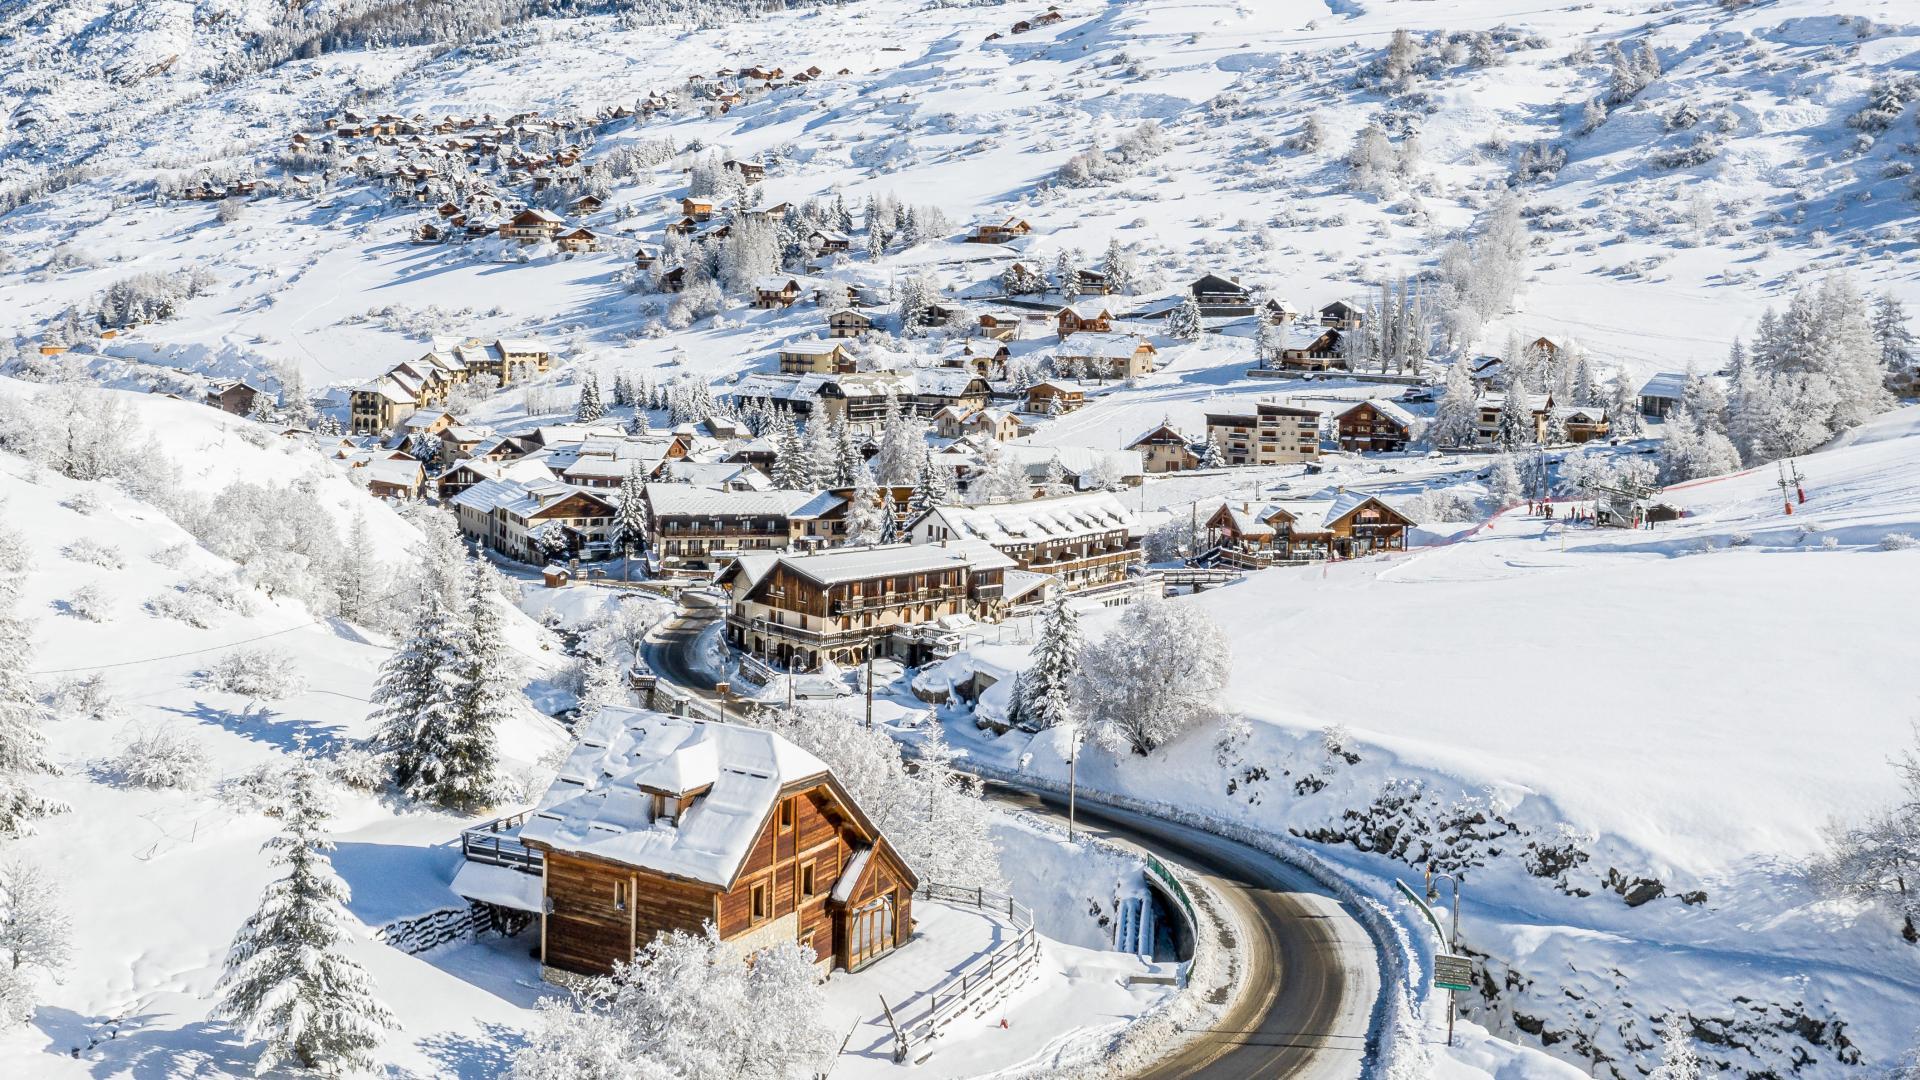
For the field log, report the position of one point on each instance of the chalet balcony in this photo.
(497, 843)
(854, 605)
(816, 638)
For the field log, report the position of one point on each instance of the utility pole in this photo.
(1073, 785)
(869, 686)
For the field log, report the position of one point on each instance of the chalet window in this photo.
(806, 879)
(619, 896)
(786, 814)
(757, 897)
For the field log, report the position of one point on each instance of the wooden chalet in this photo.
(815, 358)
(661, 823)
(847, 323)
(1348, 526)
(999, 232)
(1084, 317)
(697, 209)
(235, 397)
(1374, 426)
(1050, 397)
(1109, 356)
(577, 241)
(1083, 540)
(536, 522)
(837, 606)
(1341, 316)
(751, 171)
(776, 292)
(1163, 449)
(999, 327)
(532, 226)
(1220, 296)
(700, 528)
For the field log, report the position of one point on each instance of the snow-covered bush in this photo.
(255, 673)
(172, 556)
(184, 606)
(1441, 504)
(690, 1008)
(1899, 542)
(82, 502)
(89, 602)
(82, 697)
(359, 767)
(94, 552)
(161, 757)
(1159, 672)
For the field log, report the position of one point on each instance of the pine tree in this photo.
(1457, 420)
(1896, 340)
(1122, 275)
(1185, 323)
(1678, 1061)
(1047, 692)
(865, 524)
(1211, 456)
(1270, 343)
(590, 409)
(1623, 405)
(415, 697)
(821, 454)
(288, 980)
(1505, 487)
(630, 522)
(1515, 427)
(790, 457)
(487, 690)
(362, 580)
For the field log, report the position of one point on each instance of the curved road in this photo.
(1309, 972)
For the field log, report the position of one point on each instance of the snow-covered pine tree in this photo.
(865, 516)
(289, 981)
(1065, 281)
(821, 453)
(35, 935)
(1515, 426)
(1678, 1061)
(487, 689)
(1047, 685)
(1119, 267)
(590, 408)
(1211, 456)
(789, 456)
(1896, 339)
(1585, 391)
(1185, 323)
(1505, 487)
(601, 684)
(414, 697)
(1456, 421)
(630, 520)
(1270, 343)
(362, 580)
(902, 441)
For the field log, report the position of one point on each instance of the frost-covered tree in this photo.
(1456, 421)
(1504, 486)
(689, 1007)
(35, 936)
(1695, 447)
(1678, 1061)
(865, 516)
(1047, 685)
(932, 815)
(486, 690)
(1815, 370)
(1878, 860)
(1623, 404)
(289, 981)
(1185, 322)
(1211, 456)
(1159, 672)
(790, 471)
(1515, 426)
(1896, 339)
(590, 407)
(1121, 271)
(902, 442)
(23, 748)
(361, 587)
(630, 519)
(1002, 478)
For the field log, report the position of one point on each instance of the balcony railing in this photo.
(498, 844)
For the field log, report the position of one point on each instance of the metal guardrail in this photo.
(1159, 871)
(949, 1000)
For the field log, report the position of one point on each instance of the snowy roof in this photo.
(863, 563)
(685, 499)
(1671, 385)
(1060, 518)
(821, 504)
(599, 804)
(811, 348)
(520, 345)
(392, 471)
(1385, 408)
(850, 877)
(1101, 346)
(386, 387)
(1090, 309)
(1078, 460)
(775, 284)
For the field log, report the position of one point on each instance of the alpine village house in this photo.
(660, 823)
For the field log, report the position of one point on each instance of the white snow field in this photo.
(1690, 705)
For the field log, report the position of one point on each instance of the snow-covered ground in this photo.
(1689, 705)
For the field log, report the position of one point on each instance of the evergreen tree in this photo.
(849, 464)
(1122, 274)
(1515, 427)
(1678, 1061)
(1895, 339)
(1457, 420)
(1185, 323)
(590, 409)
(865, 524)
(1623, 405)
(1505, 487)
(1211, 456)
(1585, 391)
(415, 697)
(362, 581)
(789, 456)
(630, 522)
(1064, 279)
(486, 690)
(821, 453)
(1047, 692)
(1270, 343)
(288, 980)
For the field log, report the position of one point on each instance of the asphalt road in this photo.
(1311, 975)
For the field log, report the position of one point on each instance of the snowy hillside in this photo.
(1649, 267)
(1628, 741)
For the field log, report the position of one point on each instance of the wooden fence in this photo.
(975, 986)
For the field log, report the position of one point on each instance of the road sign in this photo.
(1452, 972)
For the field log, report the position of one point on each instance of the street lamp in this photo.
(1453, 935)
(1073, 786)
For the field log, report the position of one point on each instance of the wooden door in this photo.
(869, 932)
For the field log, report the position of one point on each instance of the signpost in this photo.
(1452, 972)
